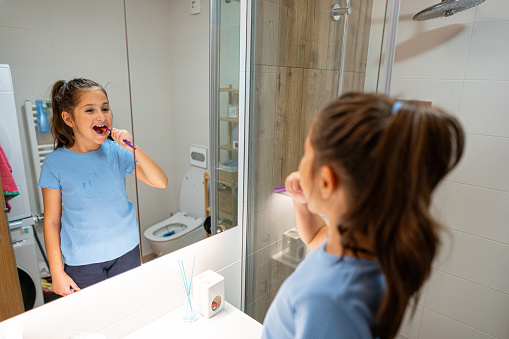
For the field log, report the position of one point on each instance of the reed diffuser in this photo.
(188, 310)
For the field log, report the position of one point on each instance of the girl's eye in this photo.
(90, 110)
(106, 109)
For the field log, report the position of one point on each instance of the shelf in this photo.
(229, 148)
(233, 90)
(233, 120)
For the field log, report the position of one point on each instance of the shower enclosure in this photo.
(304, 53)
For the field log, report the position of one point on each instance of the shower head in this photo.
(445, 9)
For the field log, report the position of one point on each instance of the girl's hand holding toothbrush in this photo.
(292, 185)
(123, 138)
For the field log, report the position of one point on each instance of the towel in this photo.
(8, 183)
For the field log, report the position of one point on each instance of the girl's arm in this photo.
(62, 283)
(311, 227)
(147, 170)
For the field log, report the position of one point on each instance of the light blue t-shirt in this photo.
(98, 220)
(327, 298)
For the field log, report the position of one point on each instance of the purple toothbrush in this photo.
(125, 141)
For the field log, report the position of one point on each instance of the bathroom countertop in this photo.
(229, 323)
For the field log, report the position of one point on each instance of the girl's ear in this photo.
(328, 182)
(67, 119)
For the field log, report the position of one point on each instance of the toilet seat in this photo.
(182, 218)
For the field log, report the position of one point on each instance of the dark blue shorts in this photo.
(87, 275)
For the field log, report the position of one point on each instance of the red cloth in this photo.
(8, 183)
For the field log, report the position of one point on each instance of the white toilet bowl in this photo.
(185, 227)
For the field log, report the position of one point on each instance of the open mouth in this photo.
(100, 129)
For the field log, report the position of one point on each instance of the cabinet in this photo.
(228, 156)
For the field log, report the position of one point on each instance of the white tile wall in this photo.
(482, 168)
(474, 305)
(497, 10)
(460, 64)
(476, 211)
(480, 107)
(420, 52)
(475, 259)
(437, 326)
(443, 93)
(487, 59)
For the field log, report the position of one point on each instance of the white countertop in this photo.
(229, 323)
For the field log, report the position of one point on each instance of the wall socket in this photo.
(194, 6)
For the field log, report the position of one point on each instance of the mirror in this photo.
(152, 57)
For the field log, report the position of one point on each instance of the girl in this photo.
(88, 218)
(370, 166)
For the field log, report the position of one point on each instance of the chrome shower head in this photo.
(445, 9)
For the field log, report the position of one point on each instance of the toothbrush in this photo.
(279, 189)
(104, 129)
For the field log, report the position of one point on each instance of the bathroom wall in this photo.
(460, 64)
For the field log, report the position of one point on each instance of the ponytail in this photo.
(390, 164)
(64, 97)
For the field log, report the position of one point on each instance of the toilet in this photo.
(185, 227)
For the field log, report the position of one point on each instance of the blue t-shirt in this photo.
(327, 298)
(98, 220)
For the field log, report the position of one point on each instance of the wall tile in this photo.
(477, 211)
(265, 46)
(483, 107)
(480, 307)
(477, 260)
(150, 57)
(373, 59)
(432, 52)
(481, 168)
(257, 278)
(18, 46)
(150, 21)
(445, 94)
(36, 14)
(260, 230)
(492, 10)
(90, 55)
(411, 323)
(487, 59)
(94, 18)
(437, 326)
(231, 274)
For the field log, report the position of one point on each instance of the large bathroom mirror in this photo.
(152, 57)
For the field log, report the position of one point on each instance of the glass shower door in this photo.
(304, 53)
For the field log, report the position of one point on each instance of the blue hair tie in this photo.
(397, 105)
(66, 82)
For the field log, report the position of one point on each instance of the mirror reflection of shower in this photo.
(446, 9)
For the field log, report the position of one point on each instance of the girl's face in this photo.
(91, 113)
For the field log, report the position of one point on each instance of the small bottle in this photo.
(42, 119)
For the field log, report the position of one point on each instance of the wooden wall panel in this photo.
(299, 38)
(359, 24)
(353, 81)
(288, 123)
(267, 34)
(292, 32)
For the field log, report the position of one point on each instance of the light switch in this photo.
(194, 6)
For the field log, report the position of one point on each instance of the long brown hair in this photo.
(65, 96)
(390, 163)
